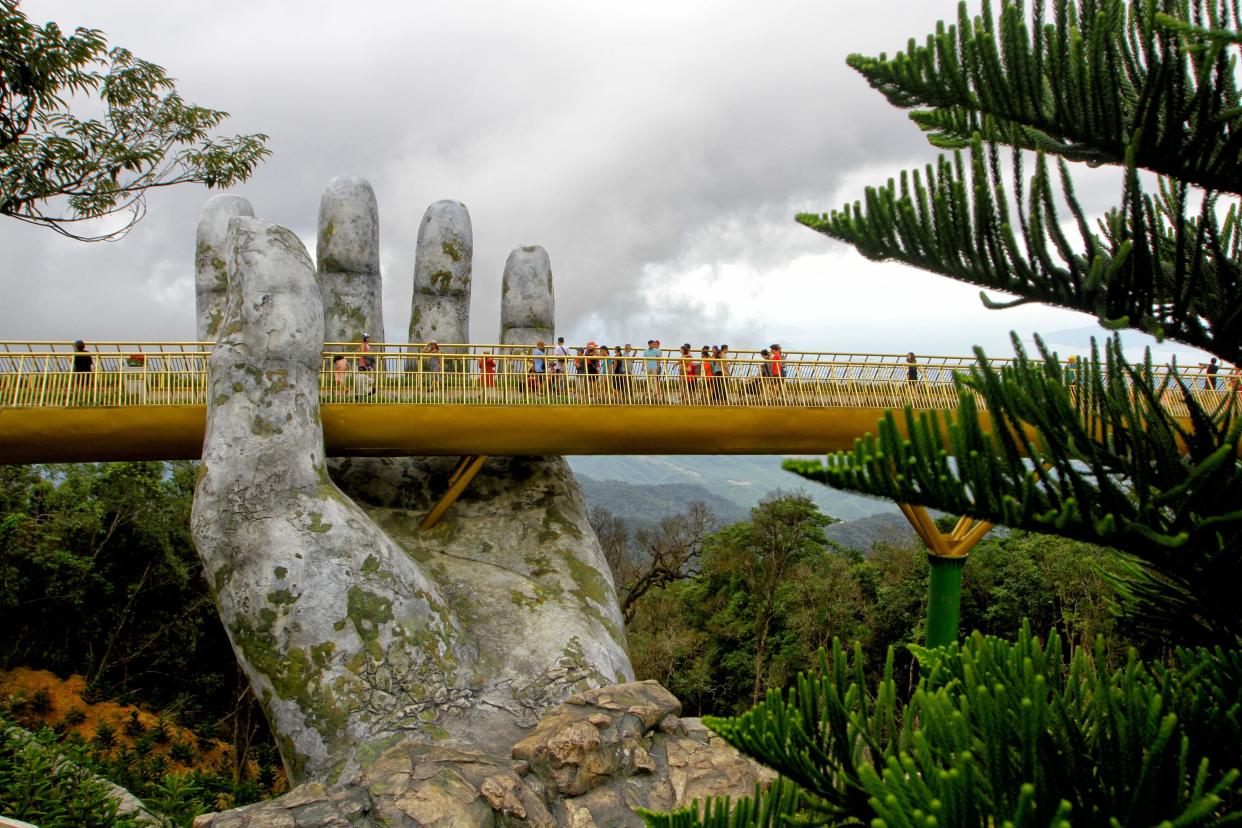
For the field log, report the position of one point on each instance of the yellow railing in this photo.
(153, 374)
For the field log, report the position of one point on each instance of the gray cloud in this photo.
(644, 145)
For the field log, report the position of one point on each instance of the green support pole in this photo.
(944, 599)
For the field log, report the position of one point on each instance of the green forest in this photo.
(99, 579)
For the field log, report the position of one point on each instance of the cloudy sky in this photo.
(657, 150)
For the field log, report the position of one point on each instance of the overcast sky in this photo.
(657, 150)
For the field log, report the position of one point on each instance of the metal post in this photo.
(944, 598)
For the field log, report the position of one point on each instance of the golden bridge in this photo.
(149, 401)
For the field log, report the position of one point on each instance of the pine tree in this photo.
(1151, 87)
(1001, 733)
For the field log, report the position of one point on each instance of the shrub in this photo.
(999, 733)
(105, 736)
(37, 788)
(74, 717)
(41, 702)
(183, 752)
(133, 727)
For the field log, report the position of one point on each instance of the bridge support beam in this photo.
(947, 556)
(465, 470)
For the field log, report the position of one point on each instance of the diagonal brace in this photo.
(465, 470)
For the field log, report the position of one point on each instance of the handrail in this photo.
(154, 374)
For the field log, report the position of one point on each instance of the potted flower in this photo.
(136, 364)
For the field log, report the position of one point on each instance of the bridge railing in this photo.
(42, 374)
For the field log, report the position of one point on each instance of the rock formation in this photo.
(348, 261)
(590, 763)
(527, 305)
(210, 270)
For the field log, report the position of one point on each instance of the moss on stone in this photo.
(222, 577)
(321, 654)
(282, 597)
(368, 612)
(367, 752)
(371, 565)
(451, 250)
(294, 676)
(540, 564)
(317, 524)
(441, 279)
(522, 600)
(280, 571)
(262, 428)
(593, 592)
(554, 522)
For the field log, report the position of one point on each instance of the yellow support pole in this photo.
(464, 472)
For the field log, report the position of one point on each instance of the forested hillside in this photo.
(99, 579)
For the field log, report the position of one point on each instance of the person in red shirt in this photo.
(487, 369)
(708, 373)
(689, 373)
(778, 361)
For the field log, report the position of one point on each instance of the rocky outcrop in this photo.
(348, 261)
(210, 261)
(591, 762)
(527, 304)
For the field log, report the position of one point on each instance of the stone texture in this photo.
(210, 257)
(357, 628)
(415, 784)
(518, 565)
(340, 632)
(527, 304)
(440, 308)
(348, 261)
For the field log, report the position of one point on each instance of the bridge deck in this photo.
(412, 403)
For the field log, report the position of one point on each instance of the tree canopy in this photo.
(58, 169)
(1149, 85)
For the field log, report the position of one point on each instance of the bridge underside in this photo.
(175, 432)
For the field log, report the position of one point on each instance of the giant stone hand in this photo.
(356, 628)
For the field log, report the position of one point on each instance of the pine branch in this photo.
(1081, 88)
(1155, 264)
(1099, 461)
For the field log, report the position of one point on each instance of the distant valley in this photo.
(642, 489)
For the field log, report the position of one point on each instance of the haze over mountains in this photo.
(643, 489)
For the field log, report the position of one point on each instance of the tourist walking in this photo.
(912, 370)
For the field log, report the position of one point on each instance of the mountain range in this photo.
(642, 489)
